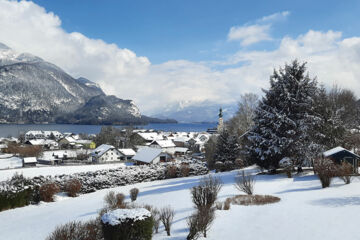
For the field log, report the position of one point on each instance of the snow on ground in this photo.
(56, 170)
(306, 211)
(10, 162)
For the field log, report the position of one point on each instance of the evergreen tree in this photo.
(227, 147)
(284, 118)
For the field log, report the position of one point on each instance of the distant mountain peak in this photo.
(4, 47)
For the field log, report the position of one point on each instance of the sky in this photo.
(170, 54)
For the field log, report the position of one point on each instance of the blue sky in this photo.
(196, 30)
(169, 54)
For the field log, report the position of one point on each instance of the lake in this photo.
(15, 129)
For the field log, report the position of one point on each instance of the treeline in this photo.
(296, 118)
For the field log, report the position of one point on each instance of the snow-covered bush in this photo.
(126, 224)
(17, 192)
(245, 183)
(48, 190)
(90, 230)
(73, 187)
(93, 181)
(133, 194)
(166, 216)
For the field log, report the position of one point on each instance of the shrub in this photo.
(253, 199)
(218, 205)
(73, 187)
(171, 171)
(227, 204)
(219, 166)
(239, 163)
(185, 170)
(90, 230)
(205, 218)
(205, 195)
(113, 201)
(166, 217)
(10, 199)
(245, 183)
(156, 217)
(127, 224)
(133, 194)
(326, 170)
(228, 165)
(47, 191)
(345, 172)
(192, 222)
(200, 222)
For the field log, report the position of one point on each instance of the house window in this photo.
(162, 158)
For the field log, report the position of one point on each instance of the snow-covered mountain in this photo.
(33, 91)
(197, 112)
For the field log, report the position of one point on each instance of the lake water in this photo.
(15, 129)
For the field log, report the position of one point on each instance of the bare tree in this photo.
(166, 216)
(245, 182)
(205, 194)
(243, 119)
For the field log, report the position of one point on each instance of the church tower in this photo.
(221, 121)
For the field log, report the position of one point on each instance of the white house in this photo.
(127, 153)
(149, 155)
(34, 135)
(105, 153)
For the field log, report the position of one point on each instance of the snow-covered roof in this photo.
(38, 142)
(335, 150)
(165, 143)
(181, 149)
(147, 154)
(100, 150)
(150, 136)
(34, 132)
(127, 151)
(30, 160)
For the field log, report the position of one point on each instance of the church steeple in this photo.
(221, 121)
(220, 113)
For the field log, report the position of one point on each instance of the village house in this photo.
(105, 153)
(29, 162)
(150, 155)
(126, 154)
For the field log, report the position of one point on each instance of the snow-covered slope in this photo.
(306, 211)
(33, 90)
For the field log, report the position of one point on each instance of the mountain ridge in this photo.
(35, 91)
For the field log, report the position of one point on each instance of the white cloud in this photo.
(27, 27)
(249, 34)
(275, 17)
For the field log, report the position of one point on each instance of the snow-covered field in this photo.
(56, 170)
(306, 211)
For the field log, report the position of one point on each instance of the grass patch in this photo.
(254, 199)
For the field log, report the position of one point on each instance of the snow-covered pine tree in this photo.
(284, 118)
(227, 147)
